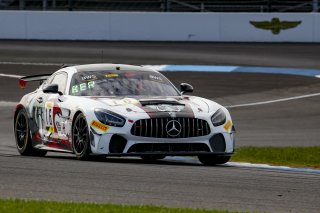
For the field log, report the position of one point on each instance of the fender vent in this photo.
(218, 143)
(117, 144)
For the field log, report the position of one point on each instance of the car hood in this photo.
(181, 106)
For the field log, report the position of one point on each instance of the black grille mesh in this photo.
(157, 128)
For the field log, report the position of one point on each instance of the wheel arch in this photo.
(73, 120)
(17, 110)
(75, 116)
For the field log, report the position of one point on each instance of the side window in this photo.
(61, 80)
(46, 82)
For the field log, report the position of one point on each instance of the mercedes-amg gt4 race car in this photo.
(120, 110)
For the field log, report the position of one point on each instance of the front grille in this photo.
(168, 147)
(158, 128)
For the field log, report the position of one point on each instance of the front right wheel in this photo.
(80, 138)
(211, 160)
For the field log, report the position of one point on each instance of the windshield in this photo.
(121, 83)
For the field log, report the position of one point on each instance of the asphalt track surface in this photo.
(182, 183)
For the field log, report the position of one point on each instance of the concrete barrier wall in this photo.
(146, 26)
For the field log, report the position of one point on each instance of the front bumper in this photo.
(126, 144)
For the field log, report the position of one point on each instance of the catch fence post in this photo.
(21, 4)
(44, 4)
(315, 6)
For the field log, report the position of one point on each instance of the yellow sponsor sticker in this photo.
(228, 126)
(49, 104)
(51, 129)
(112, 75)
(99, 125)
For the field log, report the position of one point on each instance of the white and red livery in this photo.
(120, 110)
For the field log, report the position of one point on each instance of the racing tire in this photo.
(23, 138)
(211, 160)
(80, 138)
(152, 158)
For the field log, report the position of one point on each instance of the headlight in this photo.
(109, 118)
(218, 118)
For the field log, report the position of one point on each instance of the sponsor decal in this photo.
(155, 78)
(99, 125)
(48, 118)
(228, 126)
(89, 78)
(112, 75)
(61, 124)
(51, 129)
(275, 25)
(82, 87)
(74, 89)
(49, 105)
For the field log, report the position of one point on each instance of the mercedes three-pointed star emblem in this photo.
(173, 128)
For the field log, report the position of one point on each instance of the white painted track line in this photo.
(8, 104)
(30, 63)
(10, 75)
(274, 101)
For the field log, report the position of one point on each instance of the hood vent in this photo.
(159, 102)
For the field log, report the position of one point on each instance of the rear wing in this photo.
(23, 81)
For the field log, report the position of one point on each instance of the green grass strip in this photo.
(284, 156)
(32, 206)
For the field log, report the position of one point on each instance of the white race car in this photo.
(120, 110)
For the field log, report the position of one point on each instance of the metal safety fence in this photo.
(165, 5)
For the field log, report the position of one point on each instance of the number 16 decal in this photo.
(49, 113)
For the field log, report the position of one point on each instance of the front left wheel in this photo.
(80, 138)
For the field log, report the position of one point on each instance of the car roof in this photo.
(110, 67)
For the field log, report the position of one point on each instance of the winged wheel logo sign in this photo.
(275, 25)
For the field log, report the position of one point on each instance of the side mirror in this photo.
(184, 87)
(52, 88)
